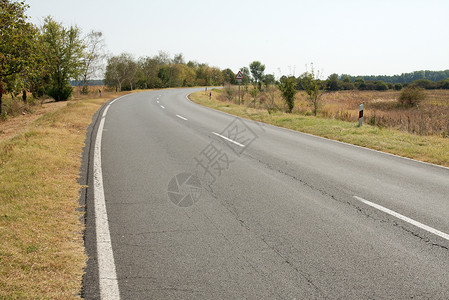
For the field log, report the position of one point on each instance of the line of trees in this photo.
(161, 71)
(404, 77)
(44, 60)
(336, 83)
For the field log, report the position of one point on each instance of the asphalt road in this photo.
(202, 205)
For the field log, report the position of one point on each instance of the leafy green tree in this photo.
(312, 85)
(360, 84)
(203, 75)
(18, 46)
(257, 70)
(398, 86)
(333, 83)
(269, 79)
(149, 67)
(287, 86)
(216, 76)
(64, 54)
(229, 76)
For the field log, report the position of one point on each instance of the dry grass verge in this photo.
(433, 149)
(42, 252)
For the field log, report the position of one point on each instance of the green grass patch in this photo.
(433, 149)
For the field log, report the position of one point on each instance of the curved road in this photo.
(201, 204)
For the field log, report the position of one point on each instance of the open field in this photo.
(42, 253)
(430, 148)
(431, 117)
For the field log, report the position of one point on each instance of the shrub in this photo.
(60, 94)
(445, 84)
(425, 84)
(380, 85)
(287, 87)
(411, 96)
(398, 86)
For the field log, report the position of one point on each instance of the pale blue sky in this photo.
(353, 37)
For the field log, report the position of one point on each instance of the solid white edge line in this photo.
(404, 218)
(108, 281)
(228, 139)
(181, 117)
(162, 107)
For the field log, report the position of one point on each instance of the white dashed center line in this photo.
(228, 139)
(181, 117)
(404, 218)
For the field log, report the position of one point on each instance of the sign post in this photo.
(360, 115)
(239, 78)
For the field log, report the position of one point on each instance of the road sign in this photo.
(239, 76)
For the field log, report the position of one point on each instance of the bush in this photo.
(425, 84)
(398, 86)
(380, 85)
(287, 87)
(60, 94)
(411, 96)
(444, 84)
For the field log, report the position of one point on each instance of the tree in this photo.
(178, 59)
(120, 69)
(229, 76)
(269, 79)
(333, 83)
(216, 76)
(257, 70)
(149, 68)
(246, 76)
(287, 86)
(64, 54)
(93, 59)
(312, 85)
(18, 46)
(360, 83)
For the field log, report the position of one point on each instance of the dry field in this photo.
(381, 108)
(42, 252)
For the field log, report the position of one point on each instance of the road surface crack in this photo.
(359, 209)
(396, 224)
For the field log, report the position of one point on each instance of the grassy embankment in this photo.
(430, 148)
(42, 252)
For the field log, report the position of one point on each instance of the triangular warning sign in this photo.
(239, 75)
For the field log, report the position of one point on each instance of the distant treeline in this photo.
(124, 72)
(404, 77)
(337, 82)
